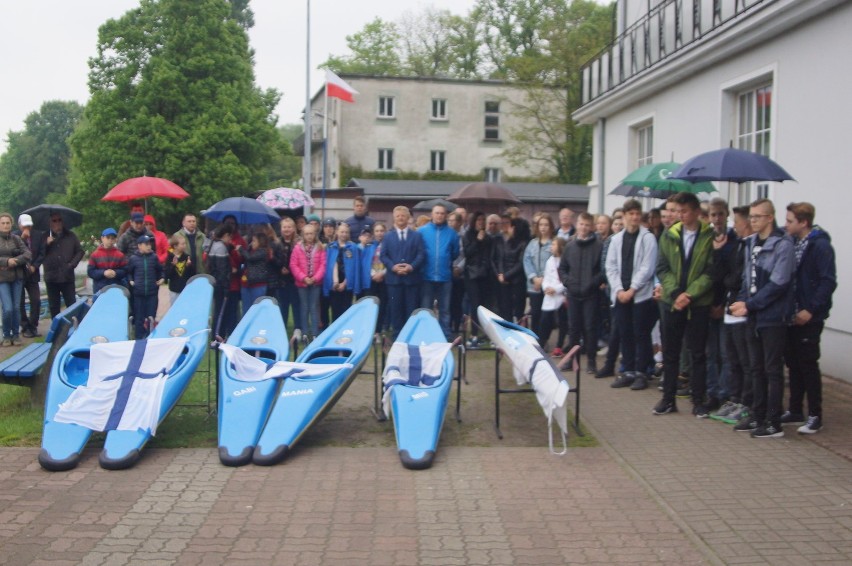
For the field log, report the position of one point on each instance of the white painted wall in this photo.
(413, 135)
(812, 125)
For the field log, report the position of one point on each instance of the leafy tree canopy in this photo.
(34, 168)
(375, 50)
(173, 96)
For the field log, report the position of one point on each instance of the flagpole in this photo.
(324, 145)
(306, 183)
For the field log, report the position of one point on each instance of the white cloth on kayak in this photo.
(248, 368)
(410, 364)
(125, 386)
(530, 364)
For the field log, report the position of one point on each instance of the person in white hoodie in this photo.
(553, 291)
(630, 266)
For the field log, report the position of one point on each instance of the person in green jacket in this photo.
(684, 268)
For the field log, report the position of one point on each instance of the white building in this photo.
(682, 78)
(415, 125)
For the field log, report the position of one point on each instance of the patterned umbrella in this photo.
(285, 198)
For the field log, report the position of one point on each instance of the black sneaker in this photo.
(713, 404)
(701, 411)
(626, 379)
(606, 371)
(813, 426)
(640, 382)
(592, 367)
(768, 431)
(792, 418)
(746, 424)
(664, 406)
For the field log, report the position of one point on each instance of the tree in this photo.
(512, 30)
(374, 51)
(285, 170)
(173, 95)
(427, 46)
(549, 138)
(34, 168)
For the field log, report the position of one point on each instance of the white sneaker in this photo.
(813, 426)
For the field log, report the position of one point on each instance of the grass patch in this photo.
(21, 423)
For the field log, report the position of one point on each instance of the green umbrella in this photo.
(656, 176)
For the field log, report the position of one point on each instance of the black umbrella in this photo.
(41, 215)
(731, 164)
(426, 205)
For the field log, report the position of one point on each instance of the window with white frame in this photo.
(387, 107)
(492, 120)
(492, 175)
(644, 144)
(438, 160)
(439, 108)
(385, 159)
(754, 129)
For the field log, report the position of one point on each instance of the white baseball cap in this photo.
(25, 220)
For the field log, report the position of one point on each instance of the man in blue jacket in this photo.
(403, 255)
(766, 297)
(815, 281)
(441, 244)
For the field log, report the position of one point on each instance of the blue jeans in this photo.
(717, 361)
(249, 295)
(10, 300)
(288, 297)
(440, 291)
(144, 307)
(309, 302)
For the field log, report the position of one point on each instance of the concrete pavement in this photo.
(666, 489)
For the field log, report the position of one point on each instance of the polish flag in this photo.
(336, 87)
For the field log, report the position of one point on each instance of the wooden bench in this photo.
(24, 366)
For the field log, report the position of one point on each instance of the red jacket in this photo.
(161, 241)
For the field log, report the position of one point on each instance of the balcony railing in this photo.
(671, 26)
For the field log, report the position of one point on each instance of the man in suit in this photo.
(403, 254)
(34, 239)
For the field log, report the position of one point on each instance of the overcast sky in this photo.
(45, 46)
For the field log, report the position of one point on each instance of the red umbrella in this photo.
(140, 188)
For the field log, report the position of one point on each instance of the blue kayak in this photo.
(62, 443)
(418, 404)
(302, 401)
(244, 406)
(188, 317)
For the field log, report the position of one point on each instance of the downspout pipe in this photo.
(601, 164)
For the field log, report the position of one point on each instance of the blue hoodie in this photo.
(441, 243)
(816, 275)
(771, 302)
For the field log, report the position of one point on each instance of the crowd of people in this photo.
(715, 304)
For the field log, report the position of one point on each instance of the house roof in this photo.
(418, 190)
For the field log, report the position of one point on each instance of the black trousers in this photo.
(57, 292)
(31, 291)
(766, 351)
(740, 377)
(583, 323)
(536, 299)
(339, 301)
(512, 299)
(802, 356)
(690, 323)
(477, 292)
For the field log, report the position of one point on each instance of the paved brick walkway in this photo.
(660, 490)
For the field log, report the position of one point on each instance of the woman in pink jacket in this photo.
(307, 264)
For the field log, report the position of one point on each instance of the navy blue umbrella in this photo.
(245, 210)
(731, 164)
